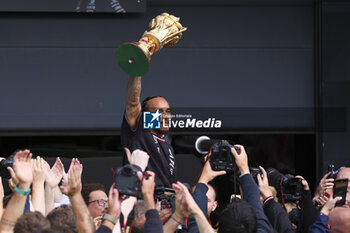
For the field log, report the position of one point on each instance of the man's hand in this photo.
(184, 202)
(303, 182)
(72, 184)
(330, 204)
(263, 183)
(148, 185)
(22, 167)
(208, 174)
(54, 175)
(241, 159)
(326, 184)
(114, 203)
(137, 157)
(38, 170)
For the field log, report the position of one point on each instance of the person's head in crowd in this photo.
(30, 222)
(96, 199)
(158, 103)
(238, 217)
(62, 219)
(211, 195)
(139, 217)
(339, 220)
(345, 174)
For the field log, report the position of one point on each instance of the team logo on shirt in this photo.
(151, 120)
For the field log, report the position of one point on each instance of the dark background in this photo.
(278, 68)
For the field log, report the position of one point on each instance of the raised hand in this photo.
(137, 157)
(22, 167)
(72, 184)
(208, 174)
(148, 185)
(54, 175)
(326, 184)
(241, 159)
(263, 183)
(38, 169)
(184, 202)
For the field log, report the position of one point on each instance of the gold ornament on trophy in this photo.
(165, 30)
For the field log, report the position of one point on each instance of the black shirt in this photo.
(161, 153)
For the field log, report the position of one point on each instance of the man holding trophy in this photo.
(134, 57)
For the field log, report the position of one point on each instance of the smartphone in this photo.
(340, 190)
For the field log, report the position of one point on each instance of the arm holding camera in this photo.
(200, 192)
(273, 210)
(250, 190)
(22, 170)
(308, 211)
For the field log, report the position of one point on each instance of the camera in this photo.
(127, 181)
(166, 196)
(4, 164)
(289, 188)
(221, 158)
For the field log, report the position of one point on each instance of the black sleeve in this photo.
(251, 194)
(278, 217)
(103, 229)
(200, 196)
(308, 211)
(153, 223)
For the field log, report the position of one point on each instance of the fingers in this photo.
(128, 154)
(12, 173)
(325, 176)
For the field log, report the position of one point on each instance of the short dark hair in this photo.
(88, 188)
(144, 105)
(238, 217)
(62, 219)
(30, 222)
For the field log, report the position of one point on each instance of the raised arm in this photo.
(22, 170)
(38, 193)
(133, 105)
(72, 188)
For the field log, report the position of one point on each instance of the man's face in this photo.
(345, 174)
(98, 203)
(163, 107)
(212, 204)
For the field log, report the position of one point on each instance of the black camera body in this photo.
(4, 164)
(221, 158)
(292, 189)
(166, 196)
(289, 188)
(127, 181)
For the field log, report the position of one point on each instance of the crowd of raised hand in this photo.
(37, 189)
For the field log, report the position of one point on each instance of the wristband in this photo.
(110, 218)
(20, 191)
(267, 199)
(175, 220)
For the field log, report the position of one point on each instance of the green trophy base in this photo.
(132, 59)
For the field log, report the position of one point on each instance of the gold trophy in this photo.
(164, 31)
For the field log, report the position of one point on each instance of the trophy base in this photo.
(132, 59)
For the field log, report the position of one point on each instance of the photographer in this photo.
(273, 210)
(234, 217)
